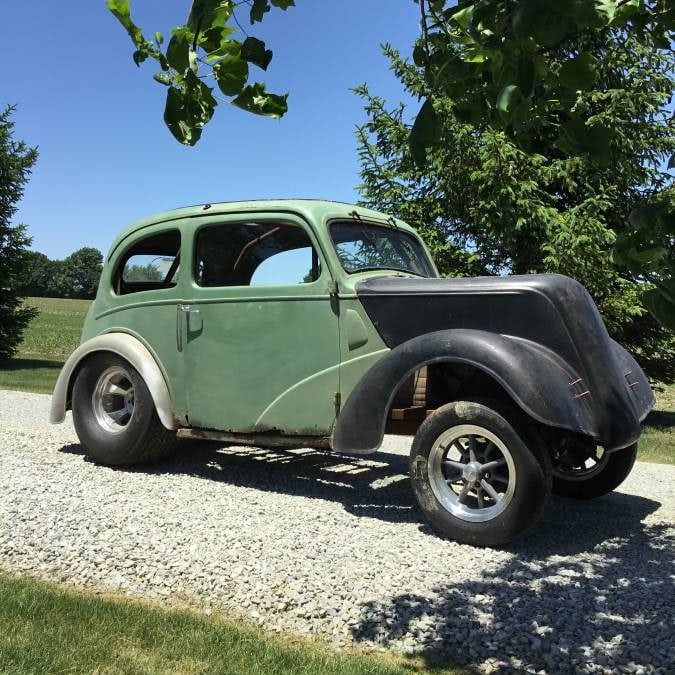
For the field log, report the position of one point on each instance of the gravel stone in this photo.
(313, 543)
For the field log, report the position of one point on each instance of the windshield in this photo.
(362, 246)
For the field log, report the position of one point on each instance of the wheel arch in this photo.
(132, 350)
(535, 379)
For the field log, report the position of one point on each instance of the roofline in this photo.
(285, 204)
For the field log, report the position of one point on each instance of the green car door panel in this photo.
(265, 358)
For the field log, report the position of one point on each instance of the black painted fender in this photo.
(538, 380)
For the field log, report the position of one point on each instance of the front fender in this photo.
(537, 379)
(132, 350)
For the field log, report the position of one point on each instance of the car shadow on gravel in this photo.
(590, 584)
(374, 487)
(377, 486)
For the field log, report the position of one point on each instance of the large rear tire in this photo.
(474, 475)
(114, 414)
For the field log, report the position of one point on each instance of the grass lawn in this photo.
(47, 343)
(55, 332)
(47, 629)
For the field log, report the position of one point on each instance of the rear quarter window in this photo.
(152, 263)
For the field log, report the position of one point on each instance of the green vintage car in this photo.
(326, 325)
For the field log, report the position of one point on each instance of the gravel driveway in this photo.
(314, 543)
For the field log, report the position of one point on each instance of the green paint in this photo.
(253, 358)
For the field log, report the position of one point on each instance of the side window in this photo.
(151, 263)
(255, 254)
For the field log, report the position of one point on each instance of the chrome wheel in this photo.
(576, 467)
(113, 399)
(472, 473)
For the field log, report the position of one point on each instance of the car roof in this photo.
(312, 209)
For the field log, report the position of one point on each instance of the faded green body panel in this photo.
(148, 315)
(255, 359)
(360, 344)
(264, 358)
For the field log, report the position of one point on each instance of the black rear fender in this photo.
(540, 382)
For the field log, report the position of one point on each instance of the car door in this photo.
(261, 345)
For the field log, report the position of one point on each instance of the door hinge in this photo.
(337, 399)
(333, 288)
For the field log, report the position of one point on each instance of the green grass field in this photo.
(47, 343)
(53, 335)
(47, 629)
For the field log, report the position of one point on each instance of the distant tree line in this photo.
(74, 277)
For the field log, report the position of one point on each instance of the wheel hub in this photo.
(113, 399)
(472, 473)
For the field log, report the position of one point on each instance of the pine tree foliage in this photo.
(486, 205)
(16, 161)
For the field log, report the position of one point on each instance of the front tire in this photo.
(588, 473)
(114, 414)
(474, 475)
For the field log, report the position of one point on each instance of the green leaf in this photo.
(579, 73)
(475, 55)
(253, 51)
(255, 99)
(215, 42)
(640, 260)
(582, 139)
(188, 108)
(178, 51)
(173, 116)
(508, 98)
(159, 38)
(162, 78)
(231, 74)
(463, 17)
(524, 17)
(615, 12)
(424, 132)
(139, 56)
(553, 28)
(660, 304)
(671, 161)
(260, 7)
(258, 10)
(206, 14)
(419, 56)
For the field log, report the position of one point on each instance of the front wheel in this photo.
(586, 471)
(474, 475)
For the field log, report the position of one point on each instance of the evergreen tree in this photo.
(16, 161)
(488, 205)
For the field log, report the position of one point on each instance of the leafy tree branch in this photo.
(202, 52)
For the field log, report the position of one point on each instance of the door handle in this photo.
(180, 310)
(179, 328)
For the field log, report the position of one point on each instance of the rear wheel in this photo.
(114, 414)
(474, 475)
(587, 471)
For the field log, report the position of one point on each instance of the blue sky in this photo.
(106, 157)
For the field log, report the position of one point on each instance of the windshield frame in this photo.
(411, 235)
